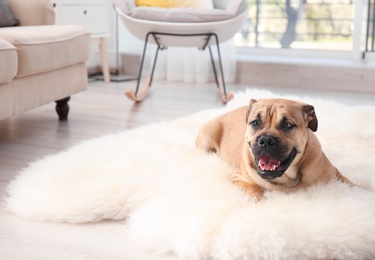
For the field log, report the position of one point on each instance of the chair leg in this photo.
(213, 66)
(154, 65)
(225, 97)
(139, 94)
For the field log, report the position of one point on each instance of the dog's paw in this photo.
(255, 192)
(251, 189)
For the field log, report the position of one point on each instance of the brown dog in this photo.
(271, 145)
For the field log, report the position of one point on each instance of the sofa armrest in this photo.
(33, 12)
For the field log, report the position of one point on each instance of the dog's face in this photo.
(277, 134)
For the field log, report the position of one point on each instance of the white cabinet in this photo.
(92, 14)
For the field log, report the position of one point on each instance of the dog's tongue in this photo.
(268, 164)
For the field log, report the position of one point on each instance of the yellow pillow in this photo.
(198, 4)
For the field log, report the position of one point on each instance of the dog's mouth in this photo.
(270, 168)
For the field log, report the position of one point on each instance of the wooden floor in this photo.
(101, 110)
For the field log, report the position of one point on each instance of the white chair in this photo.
(182, 27)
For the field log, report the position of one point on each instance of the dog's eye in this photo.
(288, 125)
(255, 123)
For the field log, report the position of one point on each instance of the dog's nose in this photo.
(266, 140)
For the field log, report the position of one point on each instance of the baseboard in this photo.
(307, 76)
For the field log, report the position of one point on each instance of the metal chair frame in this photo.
(207, 39)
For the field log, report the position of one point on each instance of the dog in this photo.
(271, 145)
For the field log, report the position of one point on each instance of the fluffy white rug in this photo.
(176, 199)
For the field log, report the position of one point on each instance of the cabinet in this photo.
(92, 14)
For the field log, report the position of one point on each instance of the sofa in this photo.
(40, 62)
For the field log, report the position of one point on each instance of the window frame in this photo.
(355, 55)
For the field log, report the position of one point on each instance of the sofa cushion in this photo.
(46, 48)
(7, 18)
(8, 56)
(35, 12)
(223, 11)
(198, 4)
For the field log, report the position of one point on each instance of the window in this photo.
(299, 25)
(370, 28)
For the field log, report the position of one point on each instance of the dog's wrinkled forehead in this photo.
(278, 109)
(274, 108)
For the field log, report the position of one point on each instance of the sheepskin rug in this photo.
(175, 199)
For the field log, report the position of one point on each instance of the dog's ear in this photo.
(310, 116)
(251, 103)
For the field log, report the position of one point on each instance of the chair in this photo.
(182, 27)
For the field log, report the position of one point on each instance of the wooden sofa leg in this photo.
(62, 108)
